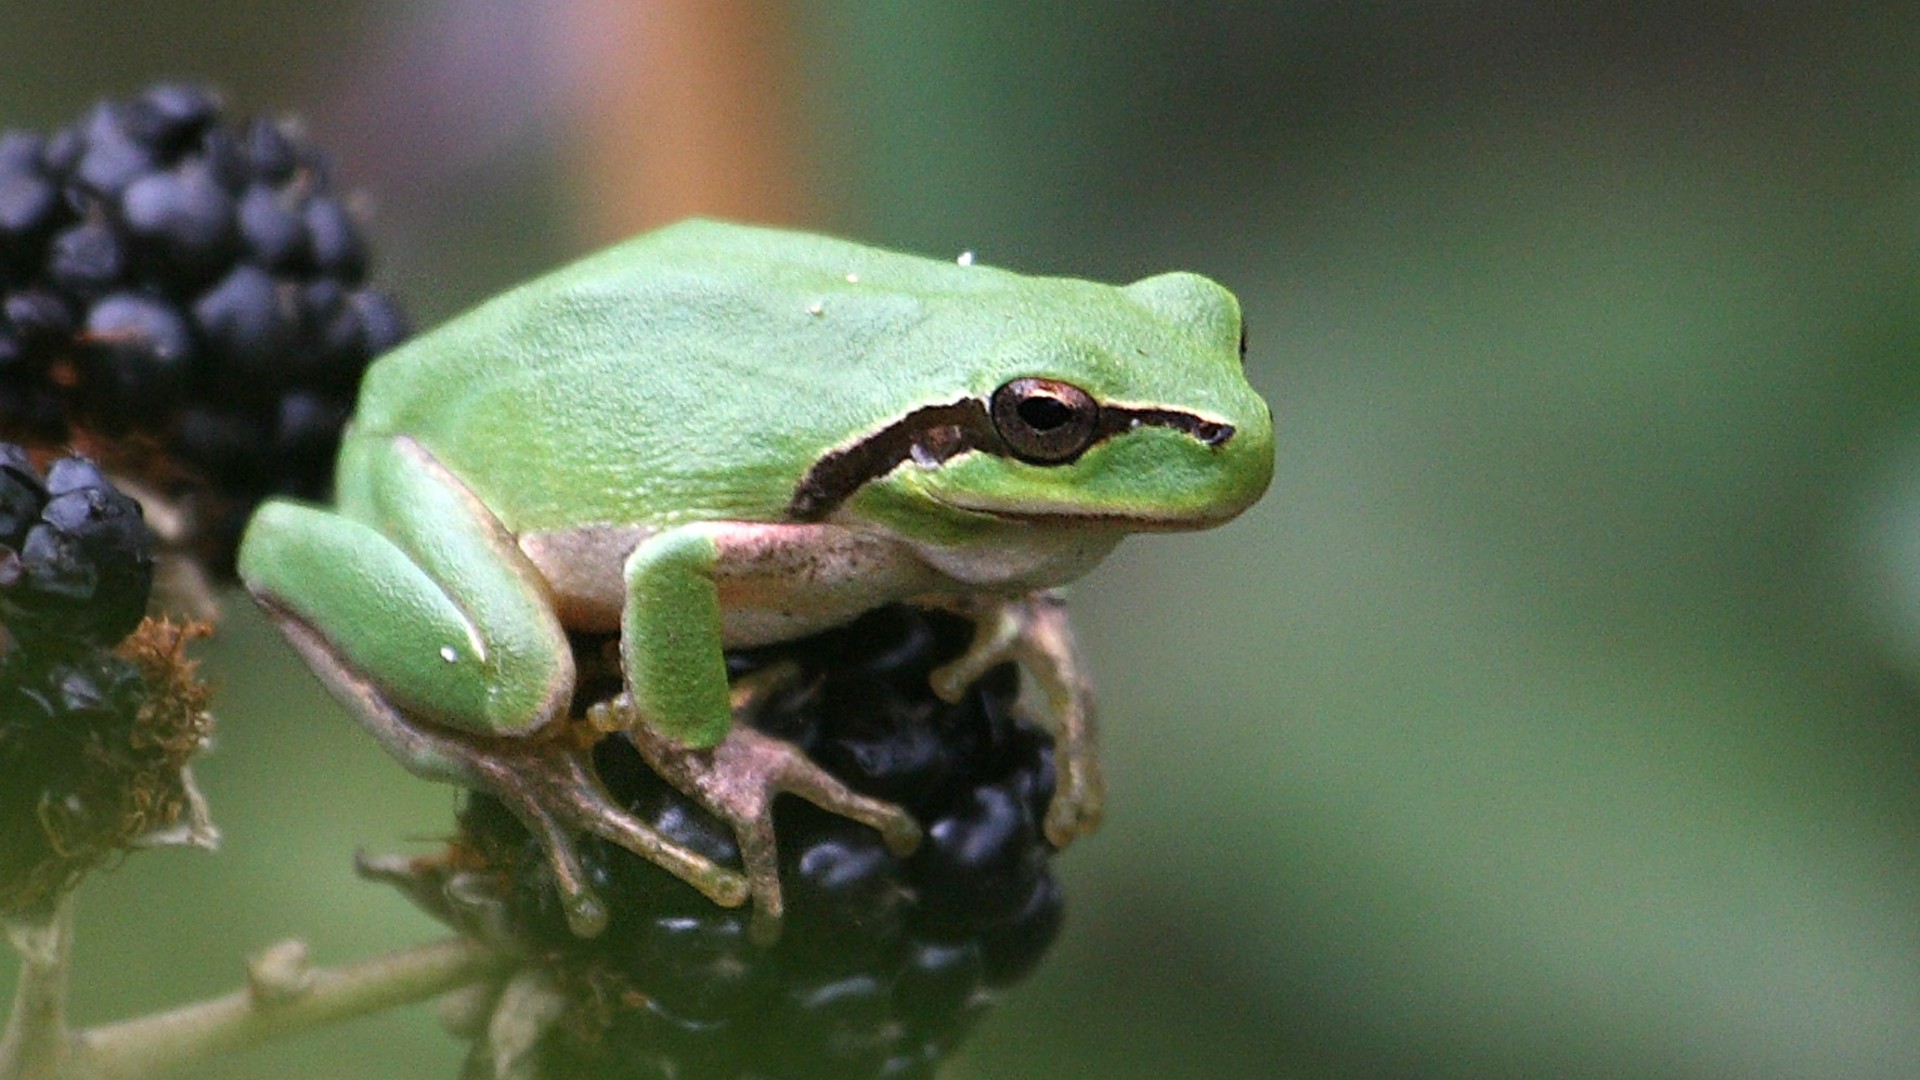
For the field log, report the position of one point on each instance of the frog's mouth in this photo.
(932, 435)
(1081, 515)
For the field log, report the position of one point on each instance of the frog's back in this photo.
(691, 373)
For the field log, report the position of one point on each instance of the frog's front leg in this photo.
(692, 591)
(1034, 630)
(418, 611)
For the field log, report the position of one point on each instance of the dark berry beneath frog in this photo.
(885, 962)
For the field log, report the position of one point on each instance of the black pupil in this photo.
(1043, 413)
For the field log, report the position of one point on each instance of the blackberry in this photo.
(884, 963)
(183, 296)
(76, 556)
(95, 731)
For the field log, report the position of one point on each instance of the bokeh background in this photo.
(1558, 712)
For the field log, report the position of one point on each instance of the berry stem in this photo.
(280, 1000)
(36, 1045)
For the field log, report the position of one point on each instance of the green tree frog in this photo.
(717, 435)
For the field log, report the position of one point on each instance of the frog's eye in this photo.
(1044, 421)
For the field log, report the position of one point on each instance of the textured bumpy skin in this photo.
(722, 377)
(697, 372)
(719, 436)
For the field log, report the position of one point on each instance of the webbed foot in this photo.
(551, 786)
(1034, 631)
(737, 780)
(546, 780)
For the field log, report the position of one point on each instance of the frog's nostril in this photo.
(1212, 434)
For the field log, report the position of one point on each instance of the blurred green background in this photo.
(1558, 712)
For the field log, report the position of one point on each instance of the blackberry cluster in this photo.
(884, 963)
(192, 283)
(90, 755)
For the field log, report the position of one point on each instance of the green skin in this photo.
(630, 443)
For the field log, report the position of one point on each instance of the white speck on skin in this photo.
(449, 654)
(965, 259)
(816, 309)
(853, 279)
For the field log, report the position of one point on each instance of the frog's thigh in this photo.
(419, 590)
(777, 580)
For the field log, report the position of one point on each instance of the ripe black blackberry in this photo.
(95, 732)
(173, 282)
(884, 962)
(76, 557)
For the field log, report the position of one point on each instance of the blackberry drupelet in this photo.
(884, 962)
(183, 297)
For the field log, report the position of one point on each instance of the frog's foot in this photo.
(546, 780)
(550, 785)
(1034, 631)
(997, 628)
(737, 781)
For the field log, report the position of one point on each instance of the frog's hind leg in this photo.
(419, 613)
(419, 588)
(546, 780)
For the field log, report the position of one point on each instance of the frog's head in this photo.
(1092, 411)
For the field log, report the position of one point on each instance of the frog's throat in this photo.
(934, 433)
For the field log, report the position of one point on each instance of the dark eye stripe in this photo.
(1117, 418)
(943, 431)
(935, 433)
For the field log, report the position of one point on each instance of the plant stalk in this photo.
(36, 1043)
(283, 1002)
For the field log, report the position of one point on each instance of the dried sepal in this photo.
(164, 805)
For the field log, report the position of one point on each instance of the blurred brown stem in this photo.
(685, 107)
